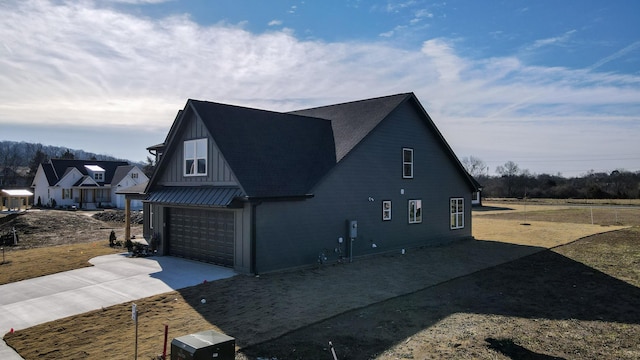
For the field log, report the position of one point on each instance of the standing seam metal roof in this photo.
(195, 196)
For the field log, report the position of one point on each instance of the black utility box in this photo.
(203, 345)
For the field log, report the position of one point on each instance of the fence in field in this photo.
(613, 215)
(596, 214)
(585, 214)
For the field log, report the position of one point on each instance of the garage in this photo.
(203, 235)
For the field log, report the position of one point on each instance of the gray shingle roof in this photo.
(61, 166)
(120, 173)
(352, 121)
(276, 154)
(271, 154)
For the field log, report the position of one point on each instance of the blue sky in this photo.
(551, 85)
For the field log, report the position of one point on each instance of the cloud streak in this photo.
(78, 63)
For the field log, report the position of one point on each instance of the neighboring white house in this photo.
(85, 184)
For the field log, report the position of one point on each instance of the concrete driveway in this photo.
(114, 279)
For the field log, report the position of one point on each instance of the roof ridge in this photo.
(355, 101)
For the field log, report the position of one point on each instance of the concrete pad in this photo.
(114, 279)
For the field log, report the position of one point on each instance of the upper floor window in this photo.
(407, 163)
(134, 175)
(415, 211)
(195, 157)
(457, 213)
(98, 176)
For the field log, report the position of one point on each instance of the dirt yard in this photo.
(56, 241)
(501, 296)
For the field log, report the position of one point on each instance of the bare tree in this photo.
(509, 172)
(474, 166)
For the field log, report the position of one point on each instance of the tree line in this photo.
(19, 161)
(512, 181)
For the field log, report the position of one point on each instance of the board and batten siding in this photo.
(294, 233)
(218, 171)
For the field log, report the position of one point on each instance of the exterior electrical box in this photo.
(353, 229)
(203, 345)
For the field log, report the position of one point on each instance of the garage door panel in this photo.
(205, 235)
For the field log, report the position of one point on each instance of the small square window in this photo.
(407, 163)
(195, 157)
(386, 210)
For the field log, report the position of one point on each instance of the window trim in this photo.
(417, 216)
(386, 210)
(67, 193)
(456, 213)
(196, 157)
(406, 163)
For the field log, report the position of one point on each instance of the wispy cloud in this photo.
(556, 40)
(77, 63)
(275, 23)
(616, 55)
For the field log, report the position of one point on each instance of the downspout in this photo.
(253, 268)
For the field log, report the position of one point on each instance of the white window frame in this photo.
(386, 210)
(414, 211)
(195, 151)
(134, 175)
(456, 212)
(99, 176)
(407, 164)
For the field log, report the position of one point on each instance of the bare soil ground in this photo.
(52, 241)
(575, 301)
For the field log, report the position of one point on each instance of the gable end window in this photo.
(415, 211)
(407, 163)
(195, 157)
(457, 213)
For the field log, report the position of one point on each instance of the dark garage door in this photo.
(204, 235)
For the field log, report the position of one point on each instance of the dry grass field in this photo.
(516, 292)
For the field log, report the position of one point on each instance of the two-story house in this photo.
(85, 184)
(261, 191)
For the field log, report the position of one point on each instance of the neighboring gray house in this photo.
(85, 184)
(262, 191)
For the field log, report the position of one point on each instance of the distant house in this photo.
(85, 184)
(262, 191)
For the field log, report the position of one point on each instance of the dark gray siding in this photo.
(218, 171)
(292, 234)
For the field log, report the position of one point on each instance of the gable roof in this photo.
(274, 154)
(55, 169)
(120, 173)
(271, 154)
(353, 121)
